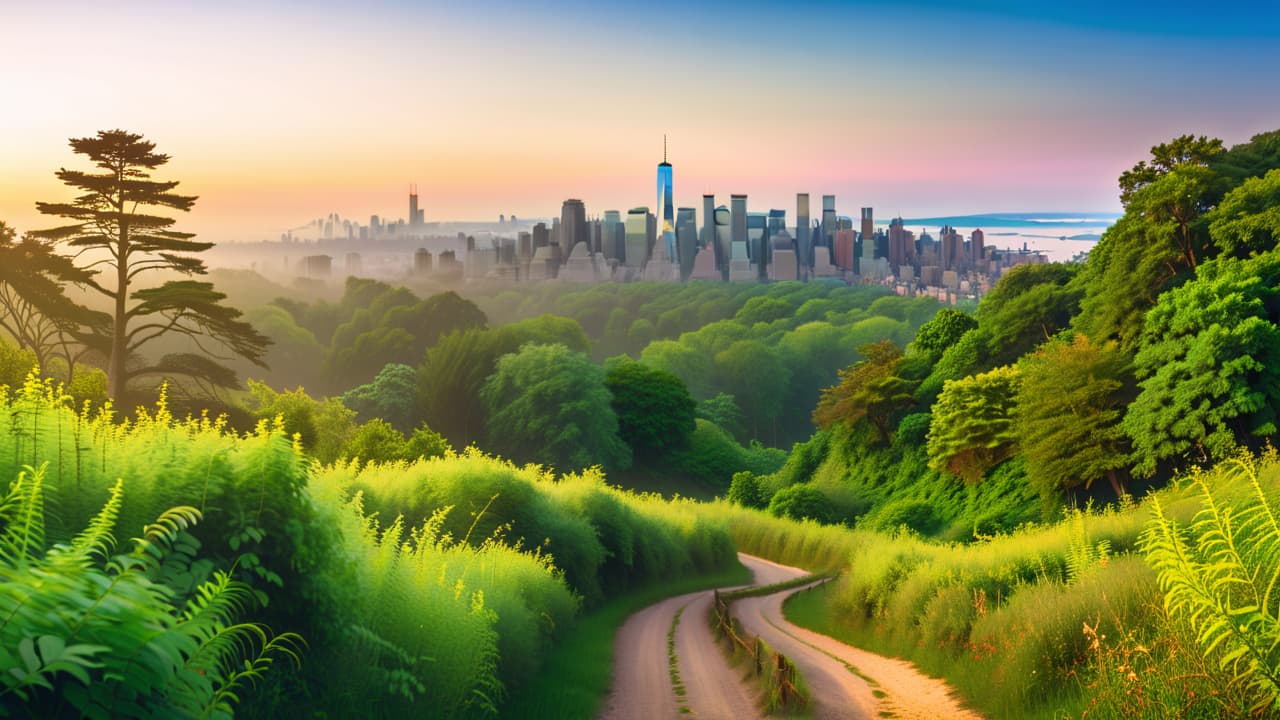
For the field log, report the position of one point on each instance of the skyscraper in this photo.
(610, 231)
(415, 215)
(803, 255)
(723, 239)
(686, 239)
(952, 248)
(573, 225)
(708, 236)
(637, 237)
(844, 249)
(738, 204)
(829, 225)
(666, 206)
(977, 240)
(868, 236)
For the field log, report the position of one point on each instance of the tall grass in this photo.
(440, 584)
(1023, 624)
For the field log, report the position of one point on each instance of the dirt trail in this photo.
(642, 684)
(842, 678)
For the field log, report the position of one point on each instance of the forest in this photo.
(443, 501)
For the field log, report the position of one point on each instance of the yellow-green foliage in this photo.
(417, 606)
(604, 539)
(1001, 618)
(496, 559)
(1221, 574)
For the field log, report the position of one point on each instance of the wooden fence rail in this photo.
(781, 672)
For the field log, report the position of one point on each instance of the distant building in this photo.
(421, 261)
(612, 235)
(844, 249)
(665, 208)
(804, 241)
(637, 237)
(828, 222)
(354, 264)
(317, 266)
(573, 224)
(977, 249)
(416, 217)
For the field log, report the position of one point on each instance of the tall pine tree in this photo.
(117, 233)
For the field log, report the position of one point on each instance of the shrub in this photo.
(800, 502)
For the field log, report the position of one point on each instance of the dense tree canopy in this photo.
(391, 396)
(1070, 403)
(943, 331)
(549, 404)
(754, 374)
(655, 412)
(870, 390)
(35, 309)
(973, 427)
(450, 379)
(1247, 221)
(1029, 305)
(1209, 364)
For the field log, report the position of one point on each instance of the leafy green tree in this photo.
(1209, 364)
(1180, 152)
(1029, 305)
(455, 369)
(943, 331)
(112, 228)
(801, 502)
(754, 374)
(15, 365)
(323, 426)
(393, 327)
(654, 410)
(391, 397)
(1158, 242)
(973, 427)
(684, 361)
(426, 443)
(549, 404)
(746, 490)
(375, 441)
(869, 391)
(964, 357)
(35, 309)
(1070, 403)
(722, 410)
(814, 352)
(1247, 221)
(763, 310)
(294, 353)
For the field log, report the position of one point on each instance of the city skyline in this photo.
(274, 115)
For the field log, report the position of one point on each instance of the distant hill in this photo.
(1019, 220)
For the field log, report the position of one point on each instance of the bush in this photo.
(800, 502)
(79, 625)
(746, 490)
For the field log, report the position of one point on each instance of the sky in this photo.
(278, 113)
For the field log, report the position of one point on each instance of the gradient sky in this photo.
(279, 113)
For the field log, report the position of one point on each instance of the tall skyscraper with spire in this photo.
(666, 205)
(416, 219)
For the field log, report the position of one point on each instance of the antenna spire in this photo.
(664, 147)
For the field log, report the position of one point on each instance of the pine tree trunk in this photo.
(116, 378)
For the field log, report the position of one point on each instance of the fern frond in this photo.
(97, 538)
(23, 513)
(159, 536)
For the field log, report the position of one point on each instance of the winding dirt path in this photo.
(845, 682)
